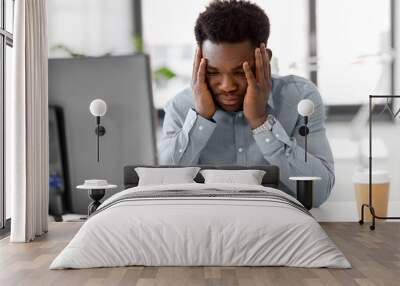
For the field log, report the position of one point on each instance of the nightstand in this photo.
(96, 191)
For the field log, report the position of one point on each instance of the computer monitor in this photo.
(124, 83)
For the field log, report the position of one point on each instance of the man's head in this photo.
(228, 33)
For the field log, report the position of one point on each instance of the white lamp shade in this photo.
(305, 107)
(98, 107)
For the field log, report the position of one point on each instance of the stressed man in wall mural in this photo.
(236, 113)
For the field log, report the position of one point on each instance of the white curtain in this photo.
(27, 123)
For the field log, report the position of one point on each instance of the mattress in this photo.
(201, 225)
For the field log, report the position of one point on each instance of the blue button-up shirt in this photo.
(189, 139)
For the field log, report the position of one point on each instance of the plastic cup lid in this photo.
(378, 177)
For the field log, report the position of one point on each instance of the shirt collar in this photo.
(270, 102)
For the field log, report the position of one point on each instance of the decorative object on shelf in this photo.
(370, 189)
(305, 108)
(98, 108)
(96, 190)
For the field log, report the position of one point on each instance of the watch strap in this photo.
(266, 126)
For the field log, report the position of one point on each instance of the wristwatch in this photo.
(266, 126)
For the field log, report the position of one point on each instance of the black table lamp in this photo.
(304, 185)
(305, 108)
(98, 108)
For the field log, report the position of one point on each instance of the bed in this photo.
(201, 224)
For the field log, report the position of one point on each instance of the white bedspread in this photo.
(200, 231)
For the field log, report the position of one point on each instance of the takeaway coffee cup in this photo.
(379, 188)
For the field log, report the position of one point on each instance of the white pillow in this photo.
(163, 176)
(249, 177)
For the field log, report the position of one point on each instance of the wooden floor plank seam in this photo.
(374, 255)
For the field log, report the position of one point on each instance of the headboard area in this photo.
(270, 179)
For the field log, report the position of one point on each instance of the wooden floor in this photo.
(374, 255)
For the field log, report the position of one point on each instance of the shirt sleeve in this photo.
(287, 152)
(183, 138)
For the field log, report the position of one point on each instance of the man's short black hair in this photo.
(232, 21)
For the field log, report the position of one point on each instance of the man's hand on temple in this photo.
(204, 102)
(258, 88)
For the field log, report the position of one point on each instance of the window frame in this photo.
(346, 112)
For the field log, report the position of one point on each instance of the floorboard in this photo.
(374, 255)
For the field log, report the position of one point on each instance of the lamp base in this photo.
(305, 193)
(96, 195)
(305, 190)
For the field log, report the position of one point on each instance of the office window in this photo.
(6, 42)
(354, 54)
(9, 11)
(168, 32)
(289, 35)
(89, 28)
